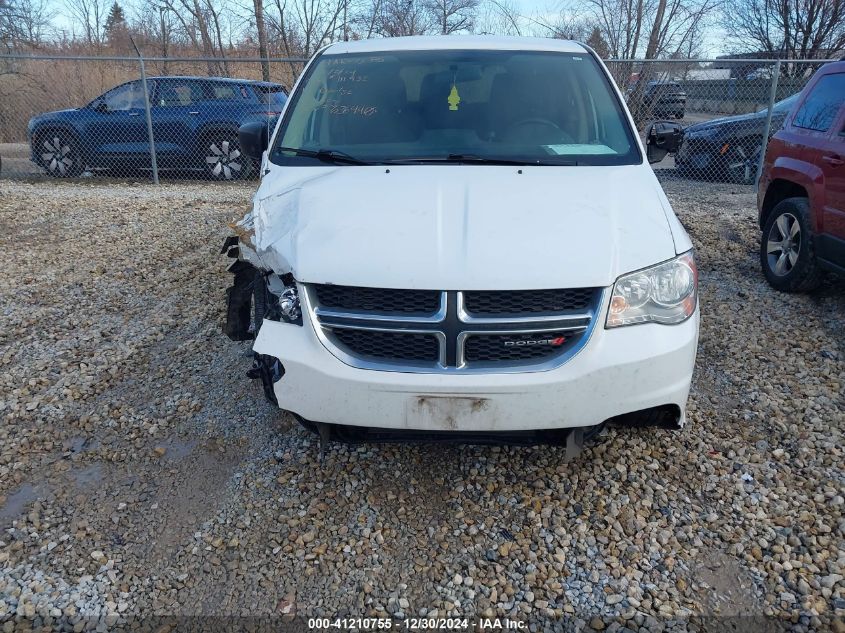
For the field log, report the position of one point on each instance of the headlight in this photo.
(666, 293)
(287, 298)
(289, 304)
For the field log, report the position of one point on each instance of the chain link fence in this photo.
(724, 106)
(125, 117)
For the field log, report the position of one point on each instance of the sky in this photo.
(538, 9)
(714, 37)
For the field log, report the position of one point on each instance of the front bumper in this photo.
(619, 371)
(700, 154)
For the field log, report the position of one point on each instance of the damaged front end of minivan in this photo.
(257, 293)
(420, 267)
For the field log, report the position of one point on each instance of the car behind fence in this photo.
(124, 117)
(119, 117)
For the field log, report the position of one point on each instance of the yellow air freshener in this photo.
(454, 98)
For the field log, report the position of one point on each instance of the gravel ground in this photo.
(142, 474)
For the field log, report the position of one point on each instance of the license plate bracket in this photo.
(448, 413)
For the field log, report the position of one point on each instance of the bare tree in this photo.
(403, 17)
(166, 28)
(452, 16)
(621, 23)
(214, 15)
(677, 26)
(23, 23)
(201, 25)
(648, 29)
(304, 26)
(792, 29)
(500, 17)
(262, 38)
(567, 25)
(368, 18)
(89, 16)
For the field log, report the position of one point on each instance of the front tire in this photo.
(223, 158)
(741, 162)
(58, 153)
(787, 249)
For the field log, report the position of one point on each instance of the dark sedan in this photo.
(729, 148)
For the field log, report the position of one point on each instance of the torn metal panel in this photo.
(244, 230)
(239, 301)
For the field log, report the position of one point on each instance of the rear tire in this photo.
(58, 153)
(787, 249)
(222, 158)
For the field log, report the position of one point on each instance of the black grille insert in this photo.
(378, 300)
(396, 328)
(517, 347)
(400, 346)
(521, 302)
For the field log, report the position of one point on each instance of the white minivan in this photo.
(460, 237)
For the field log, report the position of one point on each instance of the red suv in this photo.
(801, 194)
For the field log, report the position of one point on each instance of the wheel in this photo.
(787, 251)
(741, 163)
(58, 153)
(222, 157)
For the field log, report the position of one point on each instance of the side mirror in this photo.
(101, 107)
(661, 138)
(254, 138)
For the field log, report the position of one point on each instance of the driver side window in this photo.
(126, 97)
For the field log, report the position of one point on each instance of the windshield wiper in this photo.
(325, 155)
(475, 158)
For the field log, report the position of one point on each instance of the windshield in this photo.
(272, 95)
(515, 106)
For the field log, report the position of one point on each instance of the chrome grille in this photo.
(443, 331)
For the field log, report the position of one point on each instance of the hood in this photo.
(60, 114)
(742, 119)
(56, 112)
(461, 227)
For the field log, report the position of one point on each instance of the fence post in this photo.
(773, 89)
(153, 162)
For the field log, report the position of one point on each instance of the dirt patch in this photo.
(189, 487)
(724, 587)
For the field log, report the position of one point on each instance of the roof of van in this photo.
(455, 42)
